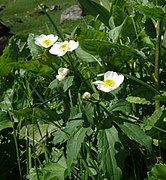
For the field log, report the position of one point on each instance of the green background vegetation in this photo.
(24, 16)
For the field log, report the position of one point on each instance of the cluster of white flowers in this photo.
(111, 79)
(58, 48)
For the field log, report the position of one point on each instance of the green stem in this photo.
(54, 25)
(157, 61)
(16, 145)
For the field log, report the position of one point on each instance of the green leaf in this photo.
(9, 56)
(138, 100)
(34, 66)
(83, 33)
(4, 121)
(96, 43)
(149, 122)
(96, 9)
(158, 172)
(84, 56)
(54, 170)
(118, 15)
(74, 145)
(134, 132)
(59, 137)
(111, 153)
(53, 84)
(34, 49)
(67, 83)
(120, 105)
(156, 13)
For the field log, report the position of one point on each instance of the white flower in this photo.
(61, 48)
(62, 73)
(46, 40)
(111, 81)
(86, 95)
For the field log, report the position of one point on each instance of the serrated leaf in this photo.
(149, 122)
(34, 49)
(96, 44)
(74, 145)
(151, 12)
(121, 105)
(83, 33)
(134, 132)
(111, 153)
(138, 100)
(158, 172)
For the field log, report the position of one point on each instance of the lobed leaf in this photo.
(111, 153)
(134, 132)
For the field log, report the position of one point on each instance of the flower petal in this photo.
(104, 88)
(63, 71)
(118, 80)
(72, 45)
(45, 40)
(110, 75)
(97, 82)
(56, 50)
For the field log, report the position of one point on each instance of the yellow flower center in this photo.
(108, 82)
(46, 42)
(64, 47)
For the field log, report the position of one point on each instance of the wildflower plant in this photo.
(61, 100)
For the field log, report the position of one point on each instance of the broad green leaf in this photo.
(84, 56)
(158, 172)
(60, 137)
(111, 153)
(55, 170)
(138, 100)
(4, 121)
(120, 105)
(74, 145)
(89, 113)
(53, 84)
(67, 83)
(106, 4)
(118, 15)
(134, 132)
(96, 9)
